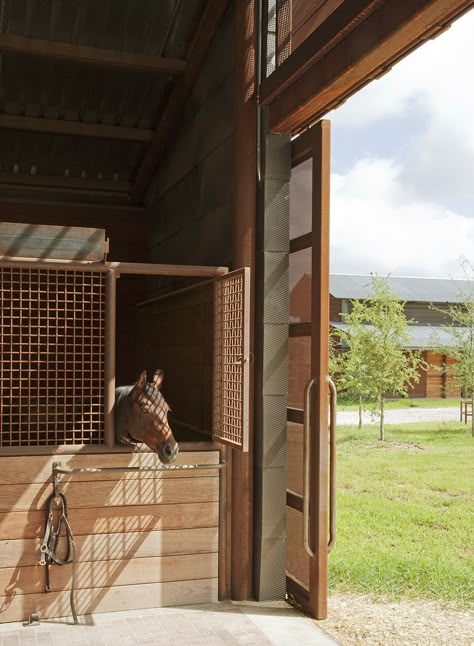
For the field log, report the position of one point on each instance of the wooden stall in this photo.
(144, 536)
(169, 126)
(143, 540)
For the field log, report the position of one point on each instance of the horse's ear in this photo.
(141, 381)
(158, 378)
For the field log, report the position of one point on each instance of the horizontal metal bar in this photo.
(181, 290)
(143, 268)
(163, 467)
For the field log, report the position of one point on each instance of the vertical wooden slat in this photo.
(320, 367)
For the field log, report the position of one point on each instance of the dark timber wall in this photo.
(189, 202)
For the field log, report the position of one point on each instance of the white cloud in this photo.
(373, 228)
(415, 215)
(436, 77)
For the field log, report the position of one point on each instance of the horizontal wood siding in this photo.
(143, 540)
(419, 389)
(440, 383)
(434, 376)
(453, 388)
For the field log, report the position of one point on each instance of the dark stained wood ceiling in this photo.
(91, 93)
(83, 86)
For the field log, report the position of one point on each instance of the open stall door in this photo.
(230, 418)
(309, 482)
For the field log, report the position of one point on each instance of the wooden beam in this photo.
(69, 196)
(74, 128)
(90, 55)
(367, 52)
(131, 268)
(173, 111)
(52, 181)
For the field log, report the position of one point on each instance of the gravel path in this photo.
(402, 415)
(358, 620)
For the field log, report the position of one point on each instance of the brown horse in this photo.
(141, 415)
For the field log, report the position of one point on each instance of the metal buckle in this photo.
(33, 620)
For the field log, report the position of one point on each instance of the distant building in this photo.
(419, 295)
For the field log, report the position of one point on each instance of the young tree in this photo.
(377, 364)
(461, 331)
(349, 367)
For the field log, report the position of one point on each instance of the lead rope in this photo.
(49, 547)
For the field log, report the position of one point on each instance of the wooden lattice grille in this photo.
(231, 359)
(52, 336)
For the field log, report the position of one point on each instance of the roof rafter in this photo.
(74, 128)
(90, 55)
(55, 181)
(210, 20)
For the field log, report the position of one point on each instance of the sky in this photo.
(402, 170)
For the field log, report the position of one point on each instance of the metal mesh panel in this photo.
(51, 357)
(231, 360)
(284, 27)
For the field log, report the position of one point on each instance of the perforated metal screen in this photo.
(231, 359)
(52, 334)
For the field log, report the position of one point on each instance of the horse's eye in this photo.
(143, 409)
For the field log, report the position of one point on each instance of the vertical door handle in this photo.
(307, 462)
(332, 463)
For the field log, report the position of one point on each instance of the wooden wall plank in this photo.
(105, 547)
(109, 520)
(38, 468)
(92, 574)
(105, 494)
(134, 597)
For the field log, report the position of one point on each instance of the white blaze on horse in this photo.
(141, 415)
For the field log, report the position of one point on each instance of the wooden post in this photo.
(243, 255)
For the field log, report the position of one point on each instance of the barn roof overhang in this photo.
(359, 40)
(91, 93)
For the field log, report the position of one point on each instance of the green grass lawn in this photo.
(422, 402)
(405, 516)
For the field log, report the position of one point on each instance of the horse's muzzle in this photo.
(168, 452)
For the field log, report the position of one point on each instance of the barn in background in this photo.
(426, 303)
(164, 132)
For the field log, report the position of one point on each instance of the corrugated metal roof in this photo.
(422, 337)
(430, 290)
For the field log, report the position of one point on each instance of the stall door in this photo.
(309, 470)
(230, 418)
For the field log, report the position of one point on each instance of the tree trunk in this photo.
(382, 430)
(360, 413)
(472, 413)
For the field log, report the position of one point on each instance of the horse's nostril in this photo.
(168, 450)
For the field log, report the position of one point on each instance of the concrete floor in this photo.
(226, 623)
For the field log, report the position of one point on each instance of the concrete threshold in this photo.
(229, 623)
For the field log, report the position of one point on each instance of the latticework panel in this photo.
(52, 336)
(231, 359)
